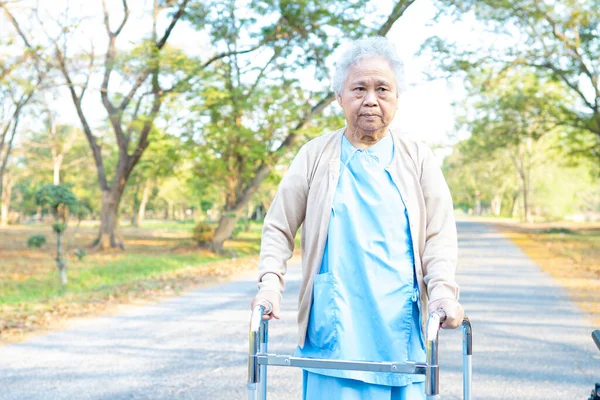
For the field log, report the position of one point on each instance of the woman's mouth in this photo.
(370, 116)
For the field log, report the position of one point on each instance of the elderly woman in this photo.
(378, 242)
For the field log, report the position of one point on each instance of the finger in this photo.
(451, 315)
(276, 313)
(450, 323)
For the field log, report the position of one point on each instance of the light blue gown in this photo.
(365, 297)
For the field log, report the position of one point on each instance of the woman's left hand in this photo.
(452, 308)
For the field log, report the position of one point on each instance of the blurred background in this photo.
(142, 141)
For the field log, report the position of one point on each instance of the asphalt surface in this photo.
(530, 341)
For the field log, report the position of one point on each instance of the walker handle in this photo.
(432, 376)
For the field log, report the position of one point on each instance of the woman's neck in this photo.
(363, 140)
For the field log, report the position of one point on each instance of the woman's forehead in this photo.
(371, 70)
(371, 80)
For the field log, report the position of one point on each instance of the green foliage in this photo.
(557, 40)
(36, 241)
(55, 196)
(203, 233)
(81, 209)
(80, 253)
(515, 121)
(59, 227)
(253, 106)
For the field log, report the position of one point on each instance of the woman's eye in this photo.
(359, 89)
(382, 89)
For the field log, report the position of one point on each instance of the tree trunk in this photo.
(56, 174)
(497, 205)
(477, 203)
(134, 220)
(60, 261)
(526, 203)
(109, 221)
(515, 206)
(135, 206)
(145, 197)
(227, 223)
(5, 197)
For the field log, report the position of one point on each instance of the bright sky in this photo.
(425, 112)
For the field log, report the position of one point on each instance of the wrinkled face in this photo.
(369, 98)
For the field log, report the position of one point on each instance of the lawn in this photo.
(160, 259)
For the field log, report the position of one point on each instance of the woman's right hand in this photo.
(271, 300)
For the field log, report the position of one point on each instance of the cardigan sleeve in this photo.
(282, 221)
(441, 248)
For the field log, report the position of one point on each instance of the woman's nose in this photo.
(370, 98)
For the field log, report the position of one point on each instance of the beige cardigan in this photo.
(305, 195)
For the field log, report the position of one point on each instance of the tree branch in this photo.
(168, 31)
(159, 45)
(572, 85)
(148, 124)
(15, 24)
(399, 9)
(230, 53)
(16, 116)
(574, 48)
(115, 115)
(86, 127)
(90, 70)
(276, 54)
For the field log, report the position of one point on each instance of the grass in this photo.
(570, 252)
(97, 276)
(160, 260)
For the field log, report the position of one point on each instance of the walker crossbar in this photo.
(259, 359)
(318, 363)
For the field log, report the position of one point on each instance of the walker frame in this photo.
(259, 358)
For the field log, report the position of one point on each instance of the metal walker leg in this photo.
(467, 335)
(263, 336)
(253, 349)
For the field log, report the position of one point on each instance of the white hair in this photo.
(376, 46)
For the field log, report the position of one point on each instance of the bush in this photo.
(59, 227)
(36, 241)
(203, 233)
(80, 253)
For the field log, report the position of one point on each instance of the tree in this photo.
(558, 39)
(512, 115)
(159, 163)
(60, 199)
(258, 108)
(55, 148)
(479, 179)
(20, 77)
(132, 105)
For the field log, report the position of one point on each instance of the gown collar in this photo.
(382, 152)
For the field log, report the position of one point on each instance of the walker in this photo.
(259, 358)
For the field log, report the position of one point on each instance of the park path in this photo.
(530, 341)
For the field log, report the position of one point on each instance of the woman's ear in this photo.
(339, 100)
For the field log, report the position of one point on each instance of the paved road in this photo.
(530, 342)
